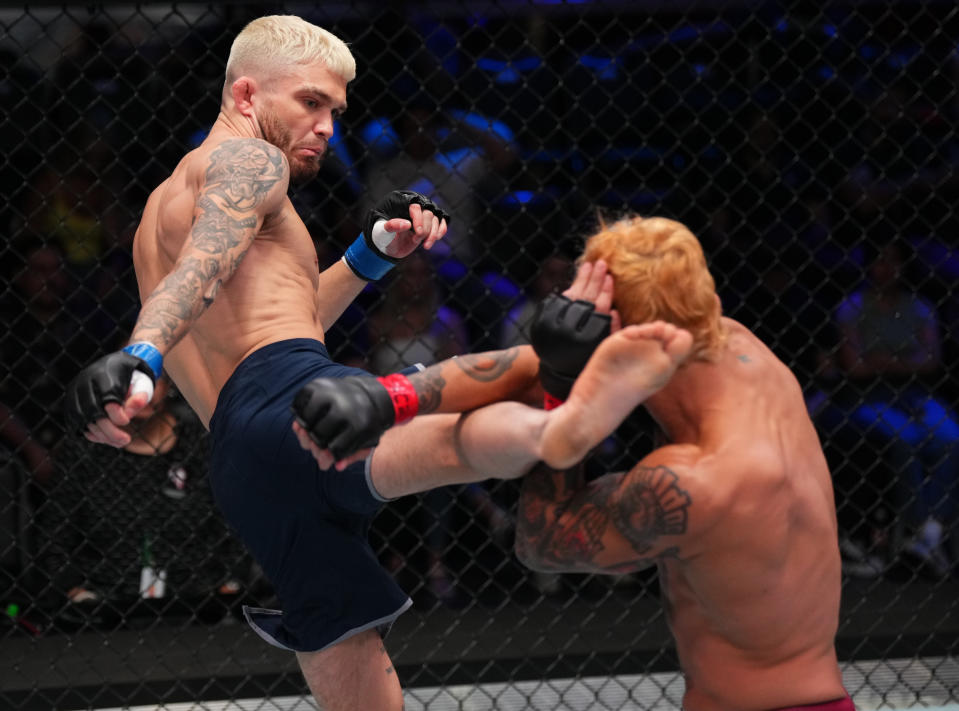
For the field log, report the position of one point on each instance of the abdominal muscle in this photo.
(236, 325)
(271, 297)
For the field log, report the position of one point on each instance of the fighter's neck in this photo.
(233, 123)
(683, 407)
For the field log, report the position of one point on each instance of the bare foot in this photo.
(628, 367)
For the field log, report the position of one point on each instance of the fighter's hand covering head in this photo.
(344, 415)
(114, 378)
(395, 226)
(564, 334)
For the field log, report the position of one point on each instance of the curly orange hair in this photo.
(660, 273)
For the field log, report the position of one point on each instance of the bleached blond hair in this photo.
(272, 41)
(660, 273)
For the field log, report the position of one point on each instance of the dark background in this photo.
(792, 138)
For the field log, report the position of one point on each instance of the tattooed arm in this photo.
(246, 180)
(469, 381)
(614, 524)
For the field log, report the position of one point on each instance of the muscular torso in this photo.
(271, 296)
(754, 601)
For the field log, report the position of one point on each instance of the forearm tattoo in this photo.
(174, 302)
(483, 367)
(429, 389)
(563, 527)
(487, 367)
(239, 178)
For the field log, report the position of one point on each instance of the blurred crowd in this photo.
(823, 189)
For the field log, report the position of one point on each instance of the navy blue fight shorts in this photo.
(307, 528)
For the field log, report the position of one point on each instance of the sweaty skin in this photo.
(737, 513)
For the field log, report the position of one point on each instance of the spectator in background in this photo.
(76, 202)
(17, 439)
(111, 513)
(412, 325)
(889, 353)
(35, 361)
(770, 295)
(463, 161)
(901, 152)
(26, 96)
(42, 337)
(762, 177)
(453, 157)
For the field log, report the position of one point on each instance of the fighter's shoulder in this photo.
(681, 463)
(237, 158)
(689, 473)
(246, 173)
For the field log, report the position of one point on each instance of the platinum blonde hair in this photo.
(272, 41)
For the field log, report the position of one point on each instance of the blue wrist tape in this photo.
(364, 262)
(149, 353)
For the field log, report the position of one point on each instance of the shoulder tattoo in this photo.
(652, 504)
(242, 171)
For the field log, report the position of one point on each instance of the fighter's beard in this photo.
(274, 132)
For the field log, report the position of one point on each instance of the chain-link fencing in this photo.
(811, 147)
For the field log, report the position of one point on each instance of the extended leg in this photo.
(504, 440)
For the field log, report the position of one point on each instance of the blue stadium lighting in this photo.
(520, 197)
(605, 67)
(507, 71)
(683, 33)
(379, 133)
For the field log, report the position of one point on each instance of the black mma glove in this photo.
(367, 255)
(105, 380)
(564, 334)
(345, 415)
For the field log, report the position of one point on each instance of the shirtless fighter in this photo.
(736, 512)
(235, 309)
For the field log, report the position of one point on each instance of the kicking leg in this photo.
(353, 674)
(504, 440)
(497, 441)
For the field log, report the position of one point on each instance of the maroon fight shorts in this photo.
(843, 704)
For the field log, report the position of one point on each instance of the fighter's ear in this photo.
(243, 90)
